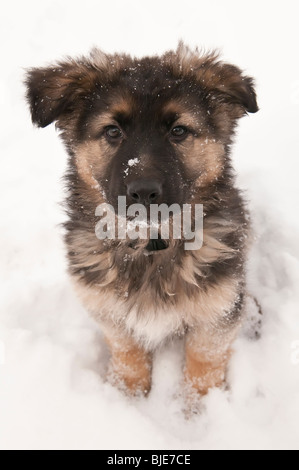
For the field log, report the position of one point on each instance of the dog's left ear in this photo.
(228, 84)
(53, 92)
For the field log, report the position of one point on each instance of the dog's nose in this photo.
(144, 191)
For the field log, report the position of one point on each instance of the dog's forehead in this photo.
(165, 105)
(133, 109)
(148, 90)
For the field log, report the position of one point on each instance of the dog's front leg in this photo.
(130, 365)
(207, 356)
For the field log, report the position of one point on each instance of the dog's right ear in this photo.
(58, 90)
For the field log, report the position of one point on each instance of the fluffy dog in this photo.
(174, 117)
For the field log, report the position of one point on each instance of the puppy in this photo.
(156, 130)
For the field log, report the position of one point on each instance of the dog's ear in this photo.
(222, 82)
(57, 90)
(227, 83)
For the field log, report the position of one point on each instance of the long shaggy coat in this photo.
(175, 117)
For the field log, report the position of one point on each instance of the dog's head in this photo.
(156, 130)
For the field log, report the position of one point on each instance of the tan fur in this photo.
(173, 107)
(203, 156)
(102, 120)
(211, 157)
(184, 116)
(122, 105)
(85, 162)
(202, 374)
(207, 357)
(151, 323)
(131, 336)
(91, 159)
(130, 366)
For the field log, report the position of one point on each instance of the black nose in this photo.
(144, 191)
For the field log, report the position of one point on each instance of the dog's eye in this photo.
(113, 133)
(179, 132)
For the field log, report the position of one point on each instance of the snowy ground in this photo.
(52, 356)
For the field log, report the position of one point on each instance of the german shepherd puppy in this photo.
(155, 130)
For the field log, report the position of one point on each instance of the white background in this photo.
(52, 356)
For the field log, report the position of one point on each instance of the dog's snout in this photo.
(144, 191)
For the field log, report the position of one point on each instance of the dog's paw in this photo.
(129, 384)
(193, 397)
(192, 403)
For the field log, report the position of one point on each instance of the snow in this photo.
(133, 162)
(52, 356)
